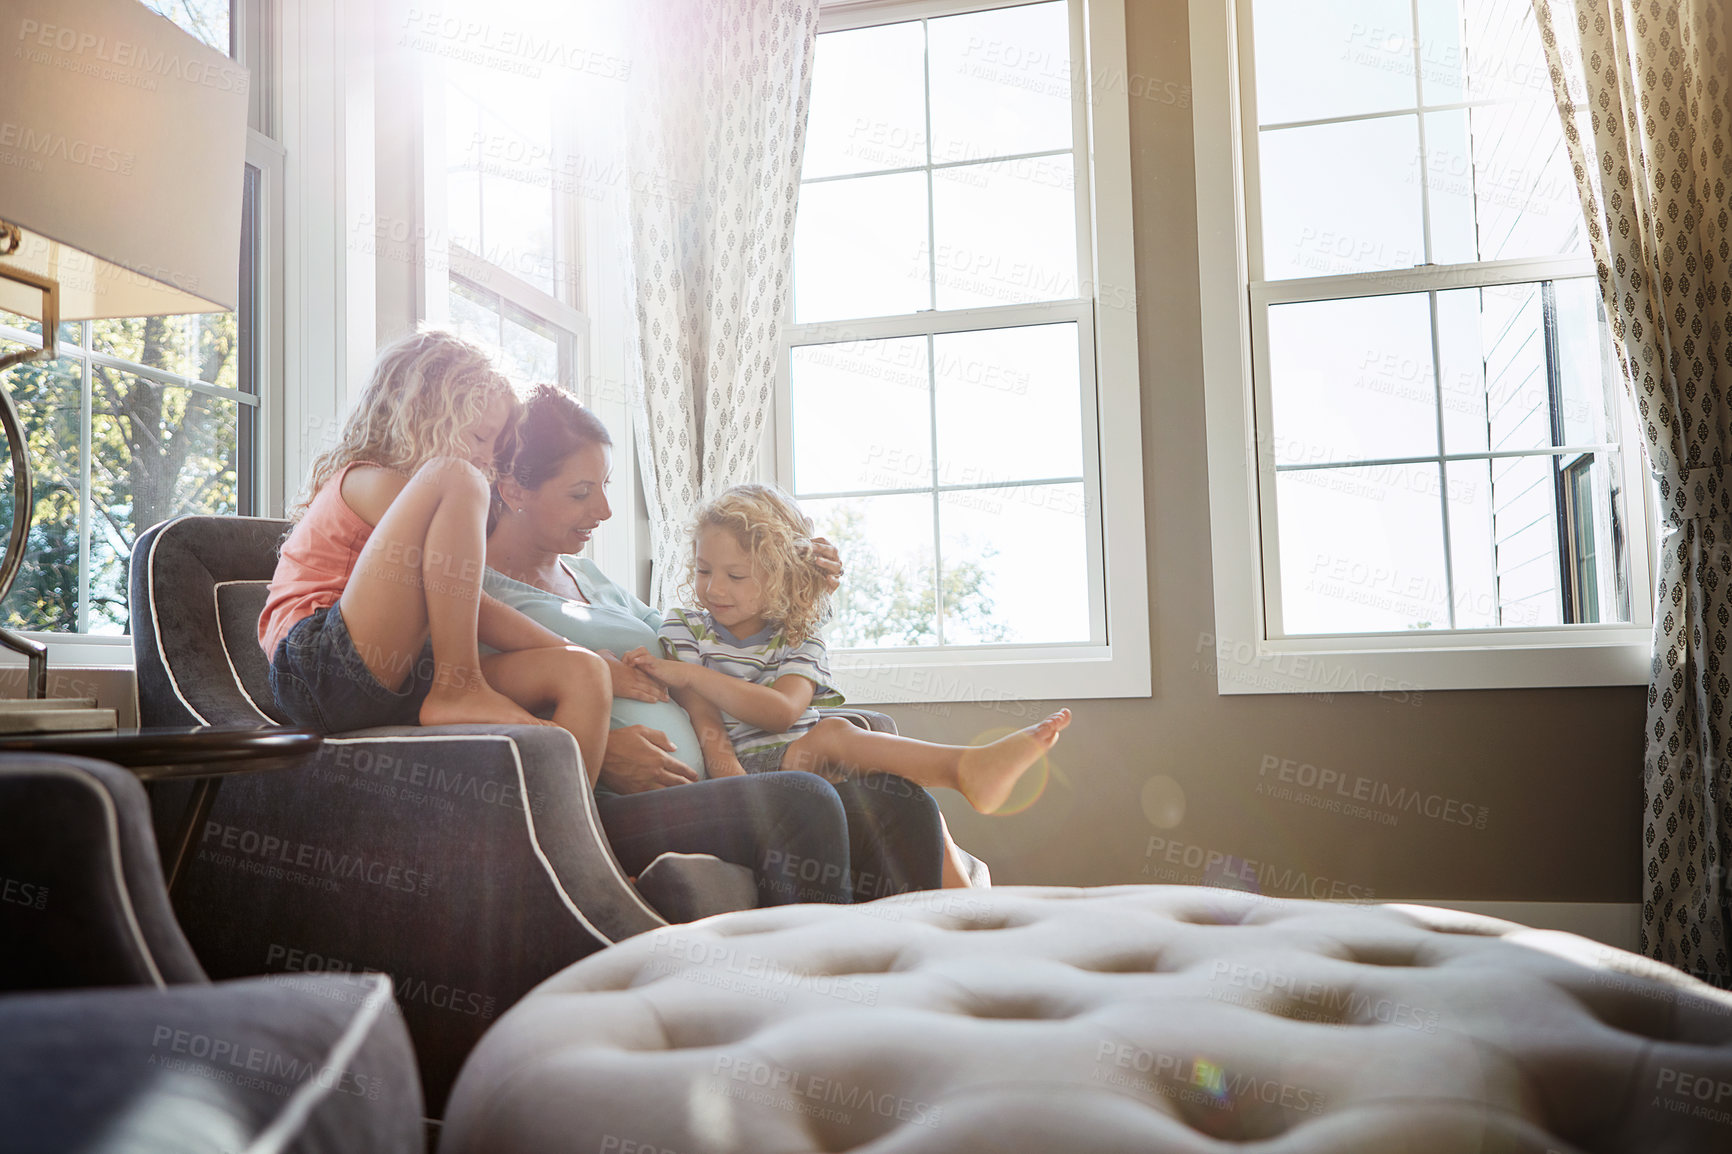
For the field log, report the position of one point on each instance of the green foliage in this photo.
(883, 603)
(156, 451)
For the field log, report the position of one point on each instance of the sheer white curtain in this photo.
(716, 132)
(1643, 86)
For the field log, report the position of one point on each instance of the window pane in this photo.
(868, 101)
(1461, 356)
(1472, 551)
(862, 416)
(1006, 232)
(530, 352)
(463, 144)
(1443, 65)
(1501, 184)
(1524, 510)
(889, 595)
(1362, 549)
(206, 19)
(1352, 379)
(1512, 332)
(1340, 59)
(1009, 406)
(474, 314)
(512, 150)
(860, 248)
(1341, 198)
(203, 347)
(1001, 82)
(157, 452)
(45, 595)
(1015, 565)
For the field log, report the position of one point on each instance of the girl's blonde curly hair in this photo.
(777, 536)
(426, 391)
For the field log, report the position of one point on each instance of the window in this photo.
(956, 380)
(1440, 469)
(513, 201)
(141, 419)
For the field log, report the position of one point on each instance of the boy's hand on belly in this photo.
(674, 674)
(632, 683)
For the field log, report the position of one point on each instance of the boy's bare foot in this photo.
(480, 705)
(988, 773)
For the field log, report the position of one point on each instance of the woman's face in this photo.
(566, 508)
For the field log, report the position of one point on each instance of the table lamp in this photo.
(122, 154)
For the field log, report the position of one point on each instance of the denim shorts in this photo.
(320, 681)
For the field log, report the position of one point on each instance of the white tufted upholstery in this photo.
(1150, 1019)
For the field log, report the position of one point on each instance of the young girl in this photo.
(752, 653)
(375, 612)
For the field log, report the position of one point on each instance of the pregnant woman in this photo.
(805, 838)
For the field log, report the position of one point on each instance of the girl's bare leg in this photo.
(984, 774)
(571, 681)
(420, 577)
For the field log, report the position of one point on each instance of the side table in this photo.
(205, 753)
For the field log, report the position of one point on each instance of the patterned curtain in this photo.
(717, 130)
(1643, 88)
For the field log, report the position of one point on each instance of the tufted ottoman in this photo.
(1149, 1019)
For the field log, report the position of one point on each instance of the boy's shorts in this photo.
(320, 681)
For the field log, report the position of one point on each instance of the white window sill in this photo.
(76, 651)
(1402, 668)
(904, 676)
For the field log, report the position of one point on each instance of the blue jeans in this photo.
(321, 682)
(805, 839)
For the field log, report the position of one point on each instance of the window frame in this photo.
(1115, 662)
(1244, 651)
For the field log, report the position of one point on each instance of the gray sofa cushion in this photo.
(684, 887)
(312, 1065)
(1151, 1019)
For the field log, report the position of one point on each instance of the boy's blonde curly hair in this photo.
(773, 531)
(426, 391)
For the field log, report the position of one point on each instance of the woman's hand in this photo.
(829, 562)
(632, 683)
(676, 674)
(640, 759)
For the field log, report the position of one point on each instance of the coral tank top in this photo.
(315, 562)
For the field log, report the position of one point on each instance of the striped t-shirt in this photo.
(693, 635)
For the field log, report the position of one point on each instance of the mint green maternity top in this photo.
(613, 620)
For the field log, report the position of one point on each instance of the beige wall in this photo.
(1556, 772)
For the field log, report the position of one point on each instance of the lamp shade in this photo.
(122, 156)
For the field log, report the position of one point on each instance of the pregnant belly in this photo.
(667, 717)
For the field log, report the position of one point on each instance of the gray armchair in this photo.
(467, 862)
(115, 1039)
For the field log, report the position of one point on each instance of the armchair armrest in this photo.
(467, 862)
